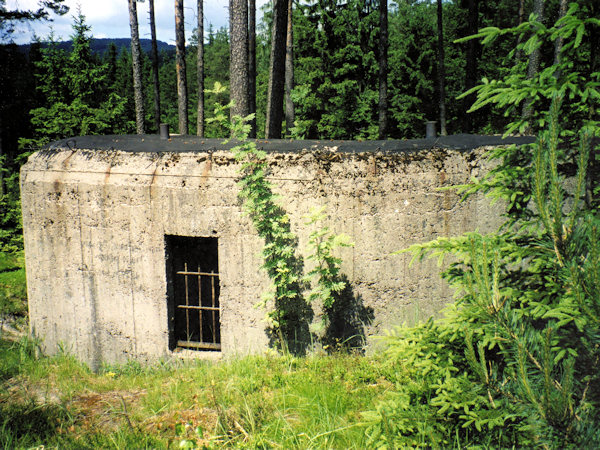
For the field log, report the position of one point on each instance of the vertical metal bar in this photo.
(214, 326)
(187, 303)
(201, 338)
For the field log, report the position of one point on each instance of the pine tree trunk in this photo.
(238, 61)
(383, 68)
(155, 67)
(289, 71)
(200, 70)
(471, 67)
(534, 64)
(180, 67)
(441, 68)
(521, 15)
(276, 71)
(558, 44)
(136, 57)
(252, 65)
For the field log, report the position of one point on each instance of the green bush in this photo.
(437, 400)
(518, 353)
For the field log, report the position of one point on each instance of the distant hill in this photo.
(100, 45)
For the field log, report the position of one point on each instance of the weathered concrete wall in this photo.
(95, 223)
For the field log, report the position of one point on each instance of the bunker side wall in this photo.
(95, 223)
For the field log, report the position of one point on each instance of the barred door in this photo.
(194, 293)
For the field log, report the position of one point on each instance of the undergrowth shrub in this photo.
(437, 400)
(516, 360)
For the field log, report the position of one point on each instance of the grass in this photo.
(255, 401)
(13, 290)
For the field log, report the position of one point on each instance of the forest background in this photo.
(52, 90)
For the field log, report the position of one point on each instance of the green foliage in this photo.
(335, 71)
(569, 78)
(526, 323)
(250, 402)
(72, 87)
(436, 402)
(326, 276)
(11, 238)
(83, 72)
(13, 287)
(412, 62)
(288, 318)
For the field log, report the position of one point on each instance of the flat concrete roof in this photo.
(152, 143)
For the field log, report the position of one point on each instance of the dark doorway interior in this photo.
(193, 292)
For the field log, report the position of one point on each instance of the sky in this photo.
(110, 18)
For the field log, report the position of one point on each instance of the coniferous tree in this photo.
(180, 65)
(110, 59)
(289, 70)
(238, 62)
(72, 105)
(136, 56)
(534, 62)
(276, 88)
(50, 73)
(252, 65)
(200, 70)
(155, 80)
(471, 59)
(383, 69)
(10, 17)
(441, 68)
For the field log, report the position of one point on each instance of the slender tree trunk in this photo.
(289, 71)
(558, 44)
(471, 67)
(441, 68)
(534, 64)
(238, 61)
(136, 57)
(276, 71)
(180, 67)
(252, 65)
(383, 68)
(155, 67)
(200, 69)
(521, 15)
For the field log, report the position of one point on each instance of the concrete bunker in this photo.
(138, 248)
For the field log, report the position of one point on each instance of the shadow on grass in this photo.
(30, 424)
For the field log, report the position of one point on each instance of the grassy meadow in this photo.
(266, 401)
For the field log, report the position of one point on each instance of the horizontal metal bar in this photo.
(193, 344)
(198, 273)
(207, 308)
